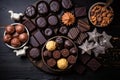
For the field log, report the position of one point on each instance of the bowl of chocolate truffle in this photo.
(59, 53)
(16, 36)
(100, 15)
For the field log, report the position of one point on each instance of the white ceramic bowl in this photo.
(23, 43)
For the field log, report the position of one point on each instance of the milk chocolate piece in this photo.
(84, 58)
(73, 33)
(83, 26)
(93, 64)
(81, 38)
(33, 42)
(30, 26)
(39, 37)
(80, 11)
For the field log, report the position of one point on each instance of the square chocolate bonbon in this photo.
(93, 64)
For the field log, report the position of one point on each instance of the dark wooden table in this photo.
(16, 68)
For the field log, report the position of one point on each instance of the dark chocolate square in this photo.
(33, 42)
(84, 58)
(80, 69)
(80, 11)
(30, 26)
(39, 37)
(93, 64)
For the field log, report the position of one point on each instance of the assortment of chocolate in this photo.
(56, 27)
(59, 53)
(100, 15)
(15, 35)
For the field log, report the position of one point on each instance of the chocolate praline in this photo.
(19, 28)
(23, 37)
(59, 40)
(48, 32)
(54, 6)
(71, 59)
(41, 22)
(15, 42)
(15, 35)
(34, 53)
(53, 20)
(67, 4)
(51, 62)
(68, 44)
(7, 38)
(65, 52)
(30, 11)
(63, 30)
(47, 53)
(42, 7)
(10, 29)
(73, 50)
(56, 54)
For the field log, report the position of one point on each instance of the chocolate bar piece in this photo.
(29, 25)
(40, 38)
(81, 38)
(93, 64)
(73, 33)
(83, 26)
(80, 11)
(33, 42)
(84, 58)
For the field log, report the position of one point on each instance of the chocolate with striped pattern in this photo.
(73, 33)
